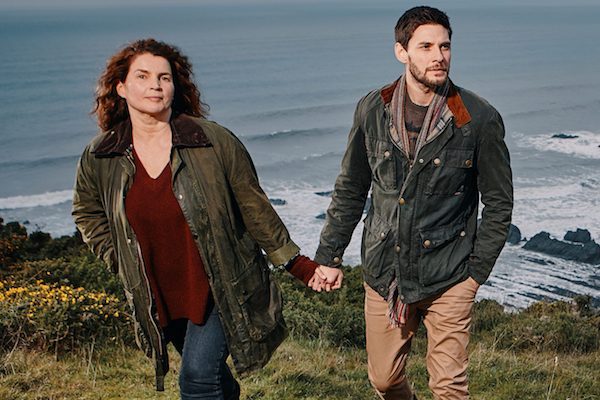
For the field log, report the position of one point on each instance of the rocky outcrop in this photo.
(278, 202)
(564, 136)
(579, 236)
(588, 252)
(514, 235)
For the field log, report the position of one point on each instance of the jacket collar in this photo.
(455, 103)
(185, 130)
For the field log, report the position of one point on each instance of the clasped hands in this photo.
(326, 278)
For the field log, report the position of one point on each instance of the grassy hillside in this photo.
(65, 334)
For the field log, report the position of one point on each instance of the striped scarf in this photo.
(397, 310)
(434, 113)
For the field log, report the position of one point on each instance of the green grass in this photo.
(549, 351)
(299, 370)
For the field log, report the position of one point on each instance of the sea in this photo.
(285, 77)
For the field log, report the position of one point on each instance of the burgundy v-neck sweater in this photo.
(171, 258)
(177, 277)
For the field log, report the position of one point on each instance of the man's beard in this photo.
(421, 77)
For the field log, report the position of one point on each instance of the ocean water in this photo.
(286, 78)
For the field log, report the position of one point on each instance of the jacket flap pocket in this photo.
(457, 158)
(247, 284)
(377, 226)
(431, 239)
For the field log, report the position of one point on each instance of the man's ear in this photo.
(400, 52)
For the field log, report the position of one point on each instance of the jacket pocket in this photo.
(382, 160)
(260, 301)
(451, 170)
(378, 238)
(439, 259)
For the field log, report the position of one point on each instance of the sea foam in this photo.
(582, 144)
(36, 200)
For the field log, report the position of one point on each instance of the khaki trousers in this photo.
(447, 318)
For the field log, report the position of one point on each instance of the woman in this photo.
(171, 202)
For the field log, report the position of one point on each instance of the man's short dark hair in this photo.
(417, 16)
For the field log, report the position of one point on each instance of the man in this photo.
(428, 149)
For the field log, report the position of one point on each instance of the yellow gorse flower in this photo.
(41, 299)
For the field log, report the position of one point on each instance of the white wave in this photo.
(582, 144)
(557, 205)
(36, 200)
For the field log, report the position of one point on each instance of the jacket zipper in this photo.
(142, 265)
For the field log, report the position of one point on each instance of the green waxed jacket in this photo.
(422, 223)
(230, 218)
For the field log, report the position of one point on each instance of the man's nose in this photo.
(438, 54)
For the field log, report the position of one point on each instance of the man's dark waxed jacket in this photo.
(229, 216)
(422, 223)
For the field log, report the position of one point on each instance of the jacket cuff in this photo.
(329, 261)
(302, 268)
(284, 254)
(476, 270)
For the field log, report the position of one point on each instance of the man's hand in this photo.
(327, 278)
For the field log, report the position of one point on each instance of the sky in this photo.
(49, 4)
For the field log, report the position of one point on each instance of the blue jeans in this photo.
(204, 373)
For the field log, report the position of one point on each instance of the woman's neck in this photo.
(150, 126)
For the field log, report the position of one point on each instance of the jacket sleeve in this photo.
(348, 199)
(89, 214)
(494, 181)
(258, 214)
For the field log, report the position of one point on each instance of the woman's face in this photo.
(148, 87)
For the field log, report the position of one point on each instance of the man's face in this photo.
(427, 57)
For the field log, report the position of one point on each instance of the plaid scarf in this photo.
(436, 112)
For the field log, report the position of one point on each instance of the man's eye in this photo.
(166, 78)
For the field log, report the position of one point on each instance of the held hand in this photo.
(317, 282)
(333, 277)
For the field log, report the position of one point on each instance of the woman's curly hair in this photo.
(111, 109)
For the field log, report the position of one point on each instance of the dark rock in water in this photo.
(325, 194)
(580, 236)
(564, 136)
(278, 202)
(542, 242)
(514, 235)
(321, 216)
(537, 260)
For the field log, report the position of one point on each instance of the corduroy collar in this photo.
(186, 132)
(455, 103)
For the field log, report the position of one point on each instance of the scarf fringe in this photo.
(397, 310)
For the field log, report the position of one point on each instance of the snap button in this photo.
(402, 297)
(437, 162)
(468, 163)
(382, 235)
(180, 197)
(386, 154)
(427, 244)
(336, 260)
(463, 233)
(401, 201)
(421, 161)
(128, 241)
(397, 249)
